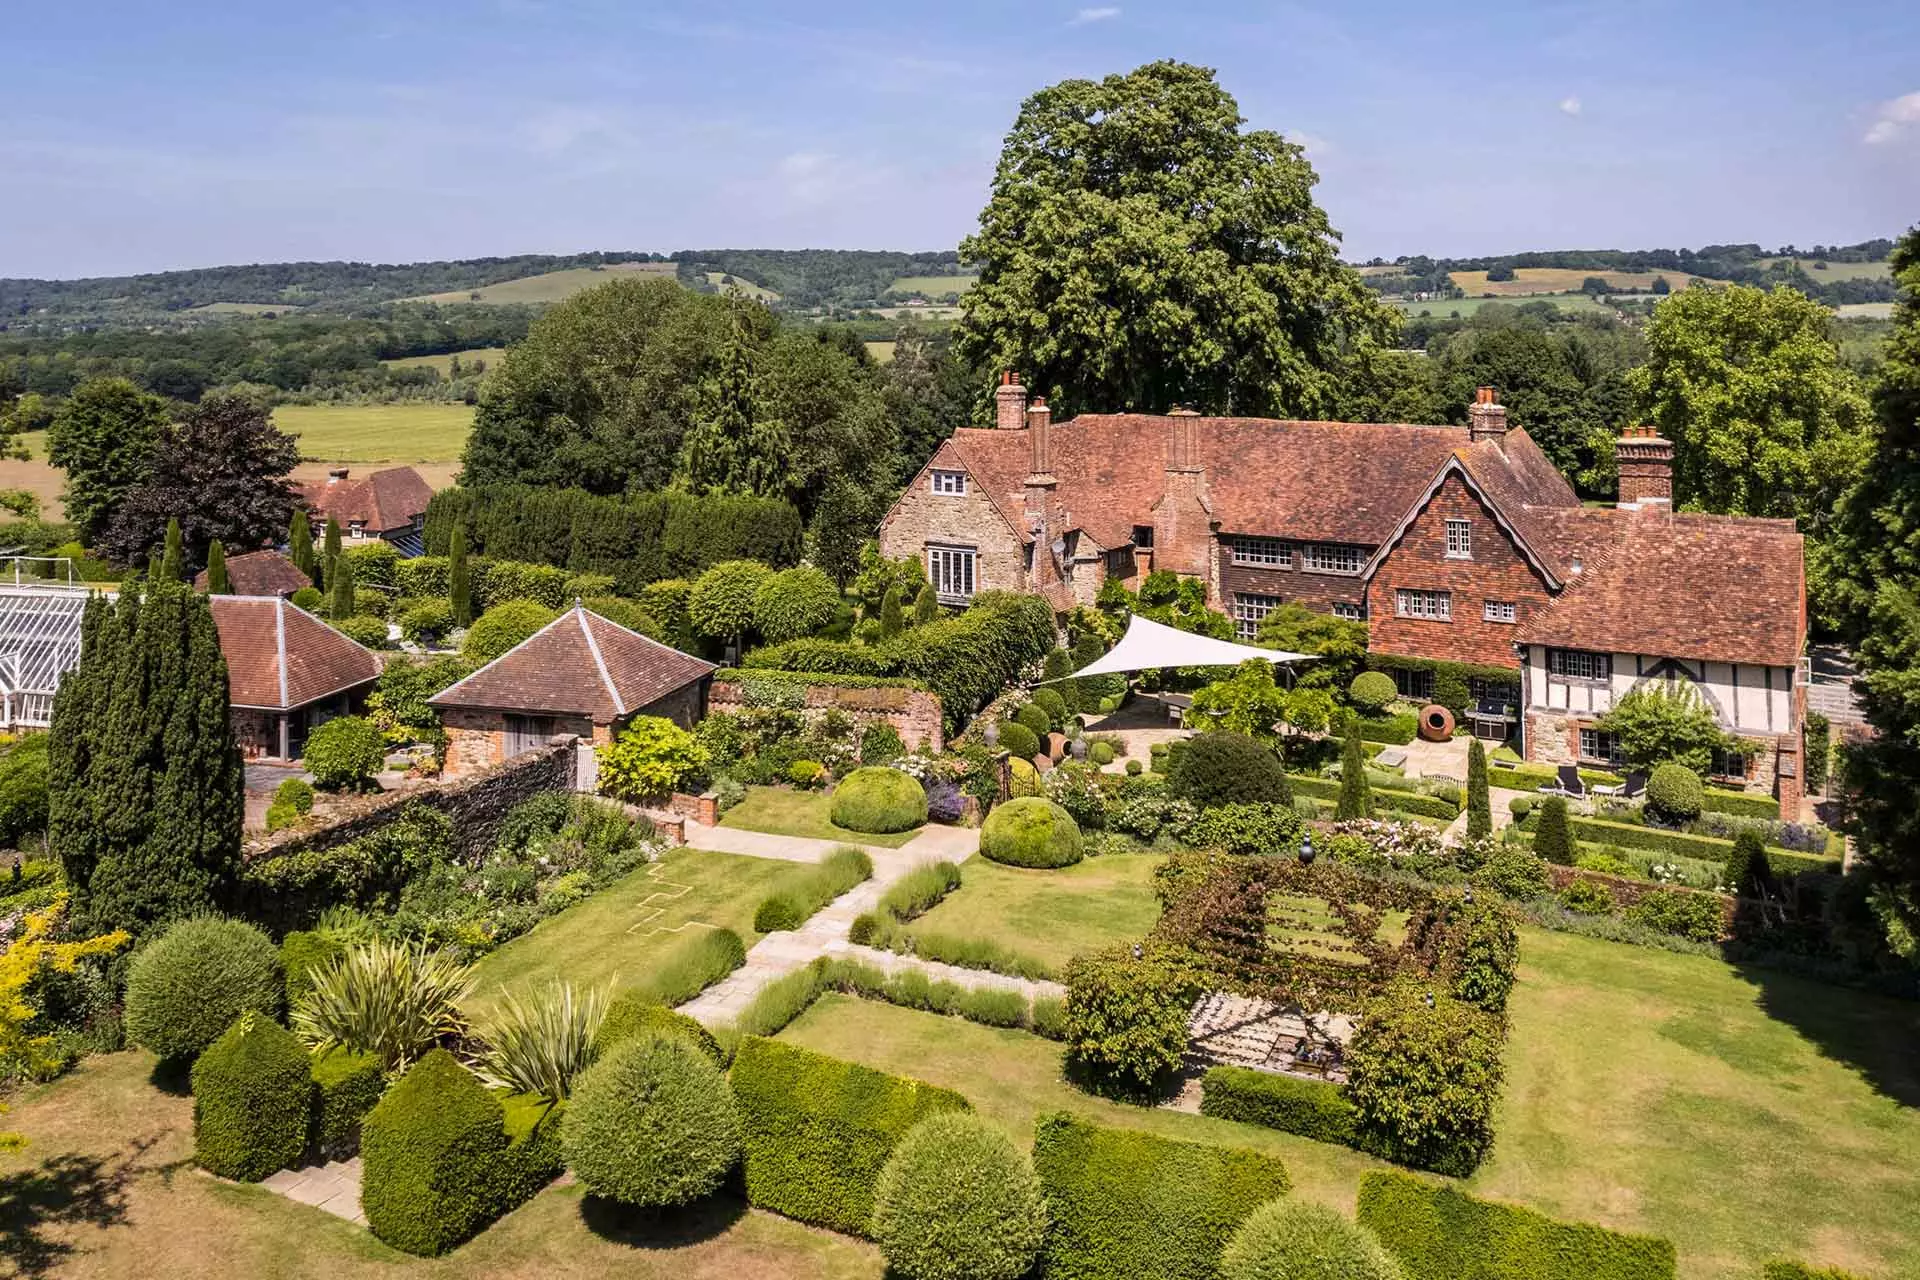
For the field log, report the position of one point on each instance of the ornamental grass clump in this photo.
(195, 980)
(393, 1000)
(653, 1124)
(538, 1044)
(958, 1201)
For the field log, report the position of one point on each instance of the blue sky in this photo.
(144, 136)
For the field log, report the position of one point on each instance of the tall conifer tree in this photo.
(300, 541)
(329, 552)
(341, 585)
(1356, 797)
(1479, 798)
(173, 562)
(217, 584)
(457, 585)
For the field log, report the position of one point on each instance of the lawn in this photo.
(1647, 1091)
(780, 812)
(616, 932)
(443, 363)
(1052, 916)
(390, 433)
(106, 1188)
(551, 286)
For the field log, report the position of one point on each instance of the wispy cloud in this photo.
(1104, 13)
(1312, 143)
(1891, 119)
(1570, 105)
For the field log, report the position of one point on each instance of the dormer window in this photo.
(356, 528)
(950, 484)
(1270, 552)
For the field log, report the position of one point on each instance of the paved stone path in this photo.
(333, 1187)
(779, 954)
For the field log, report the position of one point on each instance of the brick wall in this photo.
(922, 516)
(1318, 591)
(476, 804)
(1497, 571)
(914, 713)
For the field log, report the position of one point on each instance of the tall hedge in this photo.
(635, 540)
(251, 1090)
(346, 1086)
(1316, 1109)
(1441, 1233)
(819, 1131)
(1127, 1205)
(1424, 1077)
(441, 1157)
(967, 659)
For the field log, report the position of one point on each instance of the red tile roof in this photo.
(280, 657)
(382, 501)
(578, 664)
(260, 573)
(1700, 587)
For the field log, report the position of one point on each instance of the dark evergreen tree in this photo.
(329, 552)
(300, 541)
(1479, 800)
(1356, 798)
(74, 831)
(457, 584)
(892, 623)
(841, 526)
(217, 584)
(926, 607)
(1552, 839)
(173, 560)
(340, 589)
(714, 455)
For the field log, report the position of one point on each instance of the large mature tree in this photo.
(221, 470)
(145, 793)
(928, 392)
(1748, 384)
(1873, 577)
(103, 437)
(1139, 250)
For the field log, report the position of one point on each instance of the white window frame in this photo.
(1333, 557)
(953, 571)
(1430, 606)
(1346, 612)
(1249, 611)
(1586, 665)
(1263, 553)
(948, 484)
(1591, 742)
(1459, 539)
(1499, 611)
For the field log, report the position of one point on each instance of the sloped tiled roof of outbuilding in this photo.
(260, 573)
(384, 500)
(279, 657)
(579, 664)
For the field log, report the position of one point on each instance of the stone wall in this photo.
(914, 713)
(921, 517)
(476, 804)
(477, 740)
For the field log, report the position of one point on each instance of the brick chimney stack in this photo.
(1183, 439)
(1486, 417)
(1646, 469)
(1040, 438)
(1010, 403)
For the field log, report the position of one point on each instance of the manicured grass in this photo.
(1742, 1118)
(780, 812)
(615, 934)
(551, 286)
(106, 1188)
(442, 363)
(1052, 916)
(395, 433)
(243, 309)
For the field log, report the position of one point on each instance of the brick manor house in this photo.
(1461, 545)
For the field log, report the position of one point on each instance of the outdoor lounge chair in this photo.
(1632, 789)
(1569, 783)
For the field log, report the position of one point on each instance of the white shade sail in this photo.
(1150, 644)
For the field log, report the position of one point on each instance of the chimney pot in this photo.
(1646, 468)
(1486, 417)
(1010, 403)
(336, 475)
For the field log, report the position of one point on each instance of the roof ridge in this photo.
(280, 645)
(593, 647)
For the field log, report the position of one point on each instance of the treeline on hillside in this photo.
(324, 356)
(635, 540)
(330, 285)
(808, 278)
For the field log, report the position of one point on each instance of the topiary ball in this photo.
(958, 1201)
(1031, 832)
(1035, 718)
(1298, 1240)
(503, 627)
(195, 980)
(879, 800)
(1134, 768)
(631, 1016)
(653, 1124)
(251, 1095)
(345, 752)
(1227, 768)
(1101, 753)
(1020, 742)
(1050, 701)
(1674, 794)
(1372, 692)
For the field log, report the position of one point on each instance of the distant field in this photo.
(1865, 310)
(1445, 307)
(1531, 280)
(747, 287)
(934, 286)
(490, 356)
(377, 432)
(882, 352)
(242, 308)
(938, 314)
(552, 286)
(1839, 270)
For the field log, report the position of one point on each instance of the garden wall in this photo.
(913, 713)
(475, 803)
(1626, 892)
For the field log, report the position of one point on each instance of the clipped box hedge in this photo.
(250, 1098)
(1632, 835)
(1126, 1205)
(442, 1157)
(346, 1086)
(1385, 799)
(1741, 804)
(1316, 1109)
(819, 1130)
(1395, 730)
(1440, 1233)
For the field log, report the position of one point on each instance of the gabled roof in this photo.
(260, 573)
(579, 664)
(383, 500)
(279, 657)
(1678, 585)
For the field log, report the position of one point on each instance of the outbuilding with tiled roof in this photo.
(287, 672)
(580, 674)
(260, 573)
(387, 505)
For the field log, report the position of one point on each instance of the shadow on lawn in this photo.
(65, 1190)
(663, 1228)
(1877, 1035)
